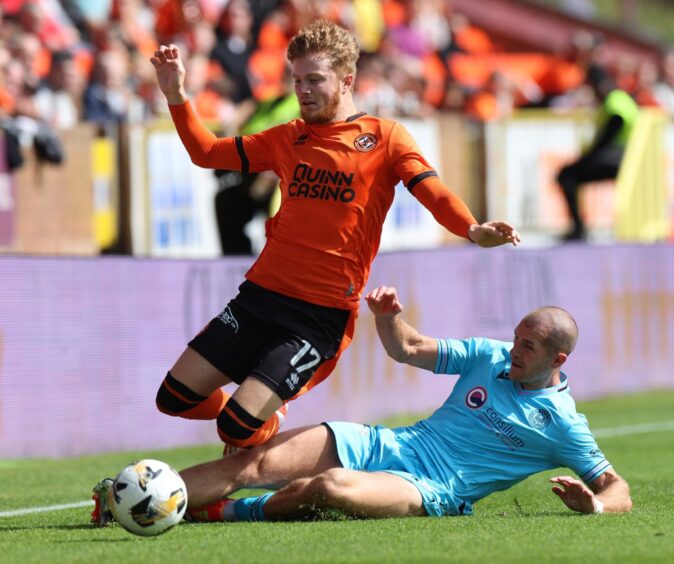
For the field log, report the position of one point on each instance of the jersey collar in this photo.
(563, 385)
(333, 124)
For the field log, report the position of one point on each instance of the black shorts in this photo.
(279, 340)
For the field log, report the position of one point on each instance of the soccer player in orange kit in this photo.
(295, 312)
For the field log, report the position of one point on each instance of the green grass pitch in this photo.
(524, 524)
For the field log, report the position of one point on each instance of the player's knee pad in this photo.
(236, 425)
(175, 398)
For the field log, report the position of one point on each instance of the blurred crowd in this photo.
(64, 61)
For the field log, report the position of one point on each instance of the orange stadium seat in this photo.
(435, 75)
(472, 39)
(552, 74)
(395, 13)
(272, 36)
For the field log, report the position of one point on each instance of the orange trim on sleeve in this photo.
(447, 208)
(205, 149)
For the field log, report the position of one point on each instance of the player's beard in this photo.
(327, 113)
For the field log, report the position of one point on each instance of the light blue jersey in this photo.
(488, 435)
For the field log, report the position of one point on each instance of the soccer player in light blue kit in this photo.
(510, 415)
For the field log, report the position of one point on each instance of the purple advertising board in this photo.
(85, 342)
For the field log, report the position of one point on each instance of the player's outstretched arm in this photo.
(205, 149)
(493, 234)
(402, 342)
(609, 493)
(451, 212)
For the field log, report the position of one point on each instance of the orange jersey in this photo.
(337, 184)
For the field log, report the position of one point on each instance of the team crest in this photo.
(539, 418)
(365, 142)
(476, 397)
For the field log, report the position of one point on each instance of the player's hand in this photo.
(168, 66)
(384, 302)
(493, 234)
(574, 493)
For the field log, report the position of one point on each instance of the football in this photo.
(148, 497)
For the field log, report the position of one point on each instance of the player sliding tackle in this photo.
(295, 312)
(510, 415)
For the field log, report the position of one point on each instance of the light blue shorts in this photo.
(380, 449)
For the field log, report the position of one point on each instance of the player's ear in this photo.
(347, 82)
(560, 359)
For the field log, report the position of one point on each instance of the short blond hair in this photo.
(326, 38)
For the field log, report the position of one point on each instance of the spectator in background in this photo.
(107, 98)
(468, 38)
(19, 98)
(6, 100)
(134, 21)
(645, 80)
(49, 21)
(584, 50)
(500, 96)
(601, 161)
(27, 49)
(209, 96)
(58, 98)
(496, 100)
(174, 19)
(234, 46)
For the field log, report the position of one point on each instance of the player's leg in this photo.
(363, 494)
(289, 367)
(251, 417)
(222, 352)
(375, 477)
(294, 454)
(192, 388)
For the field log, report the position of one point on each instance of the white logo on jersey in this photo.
(539, 419)
(228, 319)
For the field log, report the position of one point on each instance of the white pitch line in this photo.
(27, 510)
(636, 429)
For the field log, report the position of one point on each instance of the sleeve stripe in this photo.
(443, 357)
(596, 471)
(245, 165)
(419, 177)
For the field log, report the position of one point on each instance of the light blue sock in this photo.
(251, 508)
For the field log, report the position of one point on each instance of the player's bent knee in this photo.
(236, 425)
(330, 485)
(175, 398)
